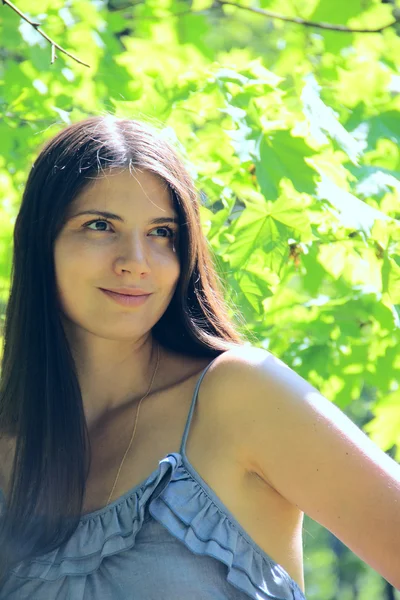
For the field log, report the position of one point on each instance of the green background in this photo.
(291, 132)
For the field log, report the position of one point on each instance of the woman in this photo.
(114, 300)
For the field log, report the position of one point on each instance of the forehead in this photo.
(126, 187)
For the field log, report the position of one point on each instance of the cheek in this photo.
(173, 272)
(168, 281)
(74, 259)
(66, 287)
(69, 267)
(165, 263)
(65, 270)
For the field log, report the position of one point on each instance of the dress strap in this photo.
(189, 419)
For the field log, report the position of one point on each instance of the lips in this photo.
(127, 299)
(126, 292)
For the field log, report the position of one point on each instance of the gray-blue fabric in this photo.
(168, 538)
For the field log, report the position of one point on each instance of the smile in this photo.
(126, 300)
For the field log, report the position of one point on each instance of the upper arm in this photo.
(311, 453)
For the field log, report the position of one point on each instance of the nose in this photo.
(133, 255)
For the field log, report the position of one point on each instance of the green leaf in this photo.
(280, 155)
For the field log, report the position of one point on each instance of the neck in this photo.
(112, 376)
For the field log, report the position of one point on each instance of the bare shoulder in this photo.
(247, 358)
(234, 370)
(229, 387)
(243, 356)
(305, 448)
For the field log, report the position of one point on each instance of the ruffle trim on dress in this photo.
(110, 530)
(189, 514)
(183, 506)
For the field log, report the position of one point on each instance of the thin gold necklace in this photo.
(136, 418)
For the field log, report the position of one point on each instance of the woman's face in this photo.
(128, 249)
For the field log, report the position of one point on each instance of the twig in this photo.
(265, 13)
(36, 26)
(301, 21)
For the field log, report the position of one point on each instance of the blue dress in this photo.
(168, 538)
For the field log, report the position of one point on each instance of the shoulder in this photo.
(243, 356)
(305, 448)
(263, 402)
(237, 387)
(243, 366)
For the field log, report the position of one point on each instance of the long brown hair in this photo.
(40, 398)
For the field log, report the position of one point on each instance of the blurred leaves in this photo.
(291, 134)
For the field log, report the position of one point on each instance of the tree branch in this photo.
(46, 37)
(300, 21)
(265, 13)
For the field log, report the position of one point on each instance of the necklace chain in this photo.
(134, 426)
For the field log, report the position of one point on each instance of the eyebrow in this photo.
(109, 215)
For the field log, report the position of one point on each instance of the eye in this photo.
(171, 232)
(86, 225)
